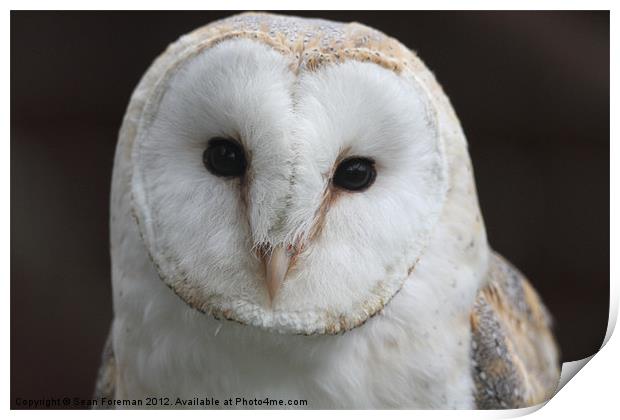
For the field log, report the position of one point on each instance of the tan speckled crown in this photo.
(312, 42)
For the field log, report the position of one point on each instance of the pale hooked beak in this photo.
(277, 263)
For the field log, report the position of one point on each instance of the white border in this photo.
(314, 5)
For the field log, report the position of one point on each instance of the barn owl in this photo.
(294, 218)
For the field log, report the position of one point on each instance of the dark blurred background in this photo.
(531, 90)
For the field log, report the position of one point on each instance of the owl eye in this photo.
(224, 157)
(355, 174)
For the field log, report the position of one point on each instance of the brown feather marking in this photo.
(320, 217)
(330, 194)
(514, 354)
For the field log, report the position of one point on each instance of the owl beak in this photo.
(277, 263)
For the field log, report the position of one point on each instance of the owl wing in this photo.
(105, 385)
(515, 357)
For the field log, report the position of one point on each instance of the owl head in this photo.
(289, 173)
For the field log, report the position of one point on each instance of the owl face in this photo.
(291, 199)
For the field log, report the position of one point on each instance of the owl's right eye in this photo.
(224, 157)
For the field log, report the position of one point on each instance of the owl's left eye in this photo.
(355, 174)
(224, 157)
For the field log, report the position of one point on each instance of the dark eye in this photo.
(224, 157)
(355, 174)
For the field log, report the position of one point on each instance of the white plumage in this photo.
(375, 308)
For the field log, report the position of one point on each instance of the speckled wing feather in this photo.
(515, 357)
(105, 385)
